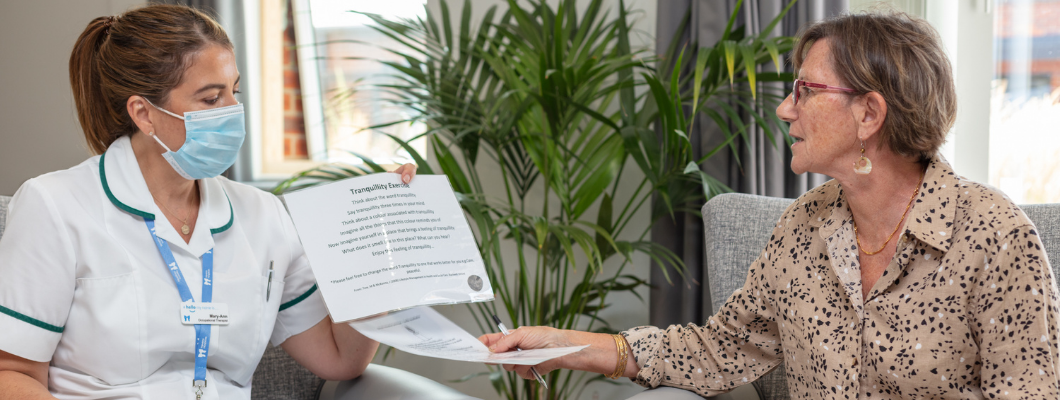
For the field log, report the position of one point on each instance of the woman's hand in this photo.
(532, 337)
(600, 357)
(407, 172)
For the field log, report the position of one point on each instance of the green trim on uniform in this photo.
(119, 204)
(231, 217)
(35, 322)
(298, 299)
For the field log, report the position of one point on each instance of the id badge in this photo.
(193, 313)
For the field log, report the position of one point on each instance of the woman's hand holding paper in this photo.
(600, 357)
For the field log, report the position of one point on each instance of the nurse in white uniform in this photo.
(141, 273)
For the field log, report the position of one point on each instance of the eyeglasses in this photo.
(799, 83)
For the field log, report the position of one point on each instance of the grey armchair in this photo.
(279, 377)
(738, 226)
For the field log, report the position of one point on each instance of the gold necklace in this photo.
(904, 213)
(185, 229)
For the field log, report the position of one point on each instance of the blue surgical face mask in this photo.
(212, 141)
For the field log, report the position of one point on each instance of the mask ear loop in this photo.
(152, 134)
(162, 109)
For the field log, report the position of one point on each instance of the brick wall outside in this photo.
(1051, 67)
(294, 144)
(1045, 21)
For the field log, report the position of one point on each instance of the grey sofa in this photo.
(279, 377)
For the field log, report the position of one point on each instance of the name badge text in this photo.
(193, 313)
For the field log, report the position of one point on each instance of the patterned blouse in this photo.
(967, 308)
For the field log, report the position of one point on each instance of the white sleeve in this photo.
(301, 306)
(37, 275)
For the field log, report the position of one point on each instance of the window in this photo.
(1006, 62)
(348, 50)
(1025, 101)
(319, 79)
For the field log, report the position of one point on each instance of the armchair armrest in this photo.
(384, 383)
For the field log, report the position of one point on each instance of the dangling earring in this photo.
(862, 166)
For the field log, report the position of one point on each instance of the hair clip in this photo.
(106, 24)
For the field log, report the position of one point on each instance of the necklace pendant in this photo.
(185, 229)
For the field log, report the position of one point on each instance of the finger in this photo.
(524, 372)
(407, 171)
(402, 168)
(490, 338)
(506, 343)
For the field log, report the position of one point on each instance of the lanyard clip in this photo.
(198, 385)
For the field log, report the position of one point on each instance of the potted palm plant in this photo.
(561, 105)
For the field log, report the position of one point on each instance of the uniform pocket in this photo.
(103, 332)
(239, 345)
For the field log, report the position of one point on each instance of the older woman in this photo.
(141, 273)
(897, 279)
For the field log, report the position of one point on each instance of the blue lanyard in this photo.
(202, 331)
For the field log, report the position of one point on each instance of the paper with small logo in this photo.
(376, 244)
(425, 332)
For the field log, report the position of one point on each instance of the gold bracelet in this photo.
(623, 356)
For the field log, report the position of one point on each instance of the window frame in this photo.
(270, 163)
(262, 162)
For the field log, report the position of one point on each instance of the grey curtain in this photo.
(764, 163)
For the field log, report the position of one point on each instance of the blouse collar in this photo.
(930, 218)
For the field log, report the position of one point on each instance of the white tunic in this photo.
(83, 286)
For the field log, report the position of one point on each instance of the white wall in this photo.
(39, 131)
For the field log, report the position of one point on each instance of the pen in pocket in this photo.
(268, 288)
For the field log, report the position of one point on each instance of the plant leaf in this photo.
(748, 53)
(730, 58)
(771, 47)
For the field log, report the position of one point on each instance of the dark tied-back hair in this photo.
(141, 52)
(901, 58)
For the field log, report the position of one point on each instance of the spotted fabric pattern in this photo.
(967, 308)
